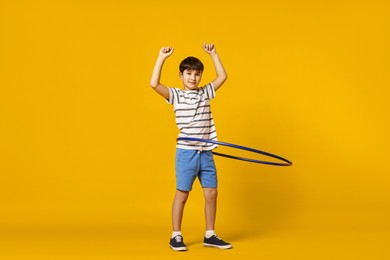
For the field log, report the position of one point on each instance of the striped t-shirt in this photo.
(193, 116)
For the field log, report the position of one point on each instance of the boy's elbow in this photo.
(153, 84)
(224, 77)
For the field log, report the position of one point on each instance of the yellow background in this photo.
(87, 147)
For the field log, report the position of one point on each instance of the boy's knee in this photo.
(210, 193)
(182, 195)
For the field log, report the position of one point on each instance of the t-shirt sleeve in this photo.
(209, 90)
(173, 95)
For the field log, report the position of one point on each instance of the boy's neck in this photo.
(189, 90)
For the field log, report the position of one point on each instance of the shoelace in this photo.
(217, 237)
(178, 239)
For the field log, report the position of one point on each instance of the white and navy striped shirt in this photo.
(193, 116)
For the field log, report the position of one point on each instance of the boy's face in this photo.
(191, 79)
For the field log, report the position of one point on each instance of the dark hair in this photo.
(191, 63)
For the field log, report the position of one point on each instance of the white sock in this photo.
(209, 233)
(176, 233)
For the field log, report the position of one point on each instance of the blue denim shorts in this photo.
(193, 163)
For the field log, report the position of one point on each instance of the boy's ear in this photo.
(180, 74)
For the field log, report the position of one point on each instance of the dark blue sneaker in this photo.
(215, 241)
(177, 243)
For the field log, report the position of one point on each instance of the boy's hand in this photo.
(165, 52)
(209, 48)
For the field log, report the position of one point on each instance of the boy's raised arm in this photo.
(165, 52)
(219, 69)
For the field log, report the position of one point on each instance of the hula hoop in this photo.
(286, 162)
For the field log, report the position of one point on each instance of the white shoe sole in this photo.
(178, 248)
(216, 246)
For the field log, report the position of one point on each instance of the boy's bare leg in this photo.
(210, 195)
(210, 239)
(178, 208)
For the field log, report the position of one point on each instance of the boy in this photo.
(193, 159)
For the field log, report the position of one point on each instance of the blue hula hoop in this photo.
(286, 162)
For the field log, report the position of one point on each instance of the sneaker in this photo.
(177, 243)
(215, 241)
